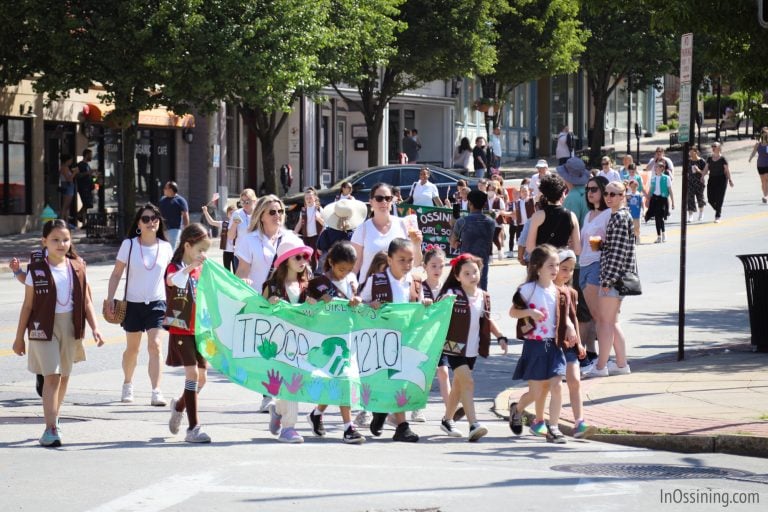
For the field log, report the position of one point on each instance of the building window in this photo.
(15, 166)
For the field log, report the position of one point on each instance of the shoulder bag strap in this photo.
(128, 270)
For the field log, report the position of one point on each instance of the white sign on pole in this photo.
(686, 67)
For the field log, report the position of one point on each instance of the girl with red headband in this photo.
(469, 335)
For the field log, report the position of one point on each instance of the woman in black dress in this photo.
(719, 178)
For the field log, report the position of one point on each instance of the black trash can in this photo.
(756, 275)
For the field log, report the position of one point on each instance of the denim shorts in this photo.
(589, 275)
(140, 317)
(571, 355)
(609, 292)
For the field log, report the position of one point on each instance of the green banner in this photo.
(380, 360)
(435, 224)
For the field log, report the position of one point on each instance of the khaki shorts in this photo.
(57, 356)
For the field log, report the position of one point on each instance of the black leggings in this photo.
(229, 258)
(716, 193)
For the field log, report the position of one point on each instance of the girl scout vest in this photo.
(304, 217)
(566, 308)
(381, 288)
(180, 309)
(458, 330)
(278, 290)
(322, 285)
(224, 233)
(40, 325)
(529, 211)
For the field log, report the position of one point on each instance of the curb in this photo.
(750, 446)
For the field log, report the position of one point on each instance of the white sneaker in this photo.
(588, 368)
(476, 431)
(614, 369)
(663, 237)
(594, 372)
(158, 400)
(196, 435)
(658, 240)
(265, 402)
(363, 419)
(449, 427)
(175, 422)
(418, 416)
(701, 214)
(127, 395)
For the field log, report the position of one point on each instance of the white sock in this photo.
(347, 425)
(316, 412)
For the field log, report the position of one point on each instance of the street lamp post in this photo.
(629, 115)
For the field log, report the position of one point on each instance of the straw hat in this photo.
(290, 248)
(350, 211)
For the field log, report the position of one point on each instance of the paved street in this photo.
(121, 457)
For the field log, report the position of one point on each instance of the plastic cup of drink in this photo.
(595, 241)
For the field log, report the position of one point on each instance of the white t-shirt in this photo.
(502, 205)
(256, 250)
(401, 288)
(347, 285)
(534, 185)
(373, 241)
(311, 226)
(520, 205)
(423, 194)
(63, 279)
(562, 151)
(594, 227)
(147, 269)
(610, 175)
(670, 166)
(242, 227)
(545, 301)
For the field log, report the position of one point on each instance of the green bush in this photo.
(662, 128)
(674, 124)
(710, 105)
(674, 115)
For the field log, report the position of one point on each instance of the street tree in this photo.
(125, 47)
(622, 43)
(536, 39)
(424, 40)
(269, 53)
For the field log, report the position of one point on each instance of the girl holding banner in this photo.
(290, 282)
(256, 252)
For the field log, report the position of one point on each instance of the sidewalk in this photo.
(716, 400)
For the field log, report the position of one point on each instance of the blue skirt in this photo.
(541, 360)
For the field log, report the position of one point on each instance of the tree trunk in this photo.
(600, 101)
(267, 127)
(374, 131)
(268, 163)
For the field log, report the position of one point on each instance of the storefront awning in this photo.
(156, 117)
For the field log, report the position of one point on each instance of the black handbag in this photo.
(628, 284)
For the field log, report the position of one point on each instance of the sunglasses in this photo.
(276, 212)
(301, 257)
(606, 163)
(246, 202)
(614, 194)
(146, 219)
(381, 199)
(592, 189)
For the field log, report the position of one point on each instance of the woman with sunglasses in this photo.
(607, 171)
(377, 232)
(256, 252)
(659, 196)
(616, 257)
(144, 255)
(592, 236)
